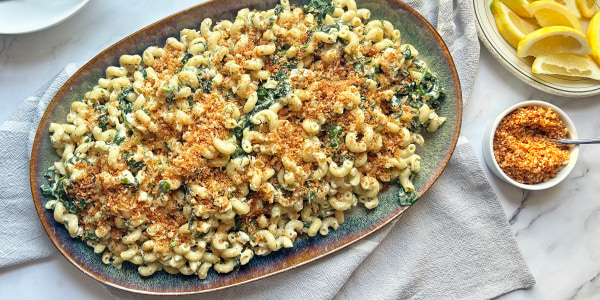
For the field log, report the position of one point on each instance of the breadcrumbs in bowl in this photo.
(517, 147)
(522, 147)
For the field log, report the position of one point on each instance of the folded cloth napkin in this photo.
(22, 237)
(454, 243)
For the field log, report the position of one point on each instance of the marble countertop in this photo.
(558, 230)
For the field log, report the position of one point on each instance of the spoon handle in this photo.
(576, 142)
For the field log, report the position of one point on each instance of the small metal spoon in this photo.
(576, 142)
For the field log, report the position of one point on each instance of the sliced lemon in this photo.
(549, 13)
(512, 27)
(571, 5)
(593, 36)
(553, 40)
(587, 7)
(518, 6)
(566, 65)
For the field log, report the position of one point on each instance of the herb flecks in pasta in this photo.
(240, 138)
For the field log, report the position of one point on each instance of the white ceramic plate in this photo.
(521, 67)
(23, 16)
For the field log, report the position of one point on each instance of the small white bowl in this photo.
(488, 147)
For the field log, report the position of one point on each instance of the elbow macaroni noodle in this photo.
(239, 139)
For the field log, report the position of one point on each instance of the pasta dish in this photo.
(240, 138)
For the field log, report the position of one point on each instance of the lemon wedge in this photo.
(553, 40)
(571, 6)
(512, 27)
(518, 6)
(587, 7)
(593, 36)
(549, 13)
(567, 65)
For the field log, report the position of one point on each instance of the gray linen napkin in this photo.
(22, 237)
(454, 243)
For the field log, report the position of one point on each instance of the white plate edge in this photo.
(76, 9)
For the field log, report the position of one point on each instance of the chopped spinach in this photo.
(79, 157)
(126, 106)
(437, 102)
(407, 53)
(124, 92)
(70, 206)
(186, 57)
(310, 196)
(61, 188)
(191, 221)
(134, 184)
(239, 223)
(168, 91)
(266, 98)
(144, 73)
(103, 118)
(73, 205)
(335, 132)
(50, 175)
(51, 188)
(47, 190)
(406, 198)
(83, 203)
(377, 68)
(88, 137)
(278, 9)
(327, 28)
(416, 125)
(164, 186)
(396, 101)
(340, 159)
(119, 139)
(206, 85)
(360, 63)
(103, 121)
(184, 60)
(319, 8)
(414, 100)
(204, 45)
(125, 181)
(101, 108)
(426, 90)
(239, 152)
(198, 234)
(134, 166)
(187, 190)
(430, 89)
(90, 236)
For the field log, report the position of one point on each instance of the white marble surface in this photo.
(558, 230)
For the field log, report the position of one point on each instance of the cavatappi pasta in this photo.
(241, 137)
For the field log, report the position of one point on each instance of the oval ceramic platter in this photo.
(360, 223)
(521, 67)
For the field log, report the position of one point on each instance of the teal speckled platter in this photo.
(359, 223)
